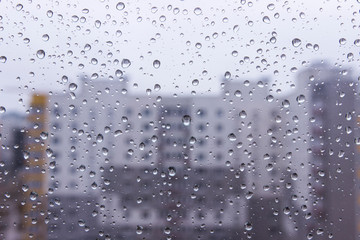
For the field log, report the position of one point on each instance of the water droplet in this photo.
(97, 24)
(357, 42)
(94, 185)
(172, 171)
(72, 87)
(49, 13)
(271, 6)
(266, 19)
(296, 42)
(19, 7)
(300, 98)
(232, 137)
(248, 226)
(157, 87)
(242, 114)
(156, 64)
(186, 120)
(167, 230)
(236, 28)
(2, 109)
(99, 138)
(294, 176)
(3, 59)
(142, 146)
(227, 75)
(195, 82)
(139, 229)
(237, 93)
(269, 167)
(120, 6)
(33, 196)
(285, 103)
(40, 54)
(81, 223)
(125, 63)
(342, 41)
(197, 11)
(25, 188)
(26, 155)
(82, 168)
(64, 79)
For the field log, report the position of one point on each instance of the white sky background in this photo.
(147, 36)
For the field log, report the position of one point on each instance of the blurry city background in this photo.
(102, 163)
(182, 120)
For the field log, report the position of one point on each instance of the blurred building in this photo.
(12, 131)
(153, 166)
(233, 166)
(328, 96)
(33, 174)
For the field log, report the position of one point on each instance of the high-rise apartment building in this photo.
(154, 166)
(33, 174)
(327, 96)
(12, 131)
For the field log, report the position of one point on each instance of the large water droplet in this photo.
(125, 63)
(49, 13)
(72, 87)
(266, 19)
(195, 82)
(139, 229)
(40, 54)
(172, 171)
(156, 64)
(3, 59)
(186, 120)
(296, 42)
(232, 137)
(342, 41)
(197, 11)
(300, 98)
(19, 7)
(120, 6)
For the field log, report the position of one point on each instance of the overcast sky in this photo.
(191, 40)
